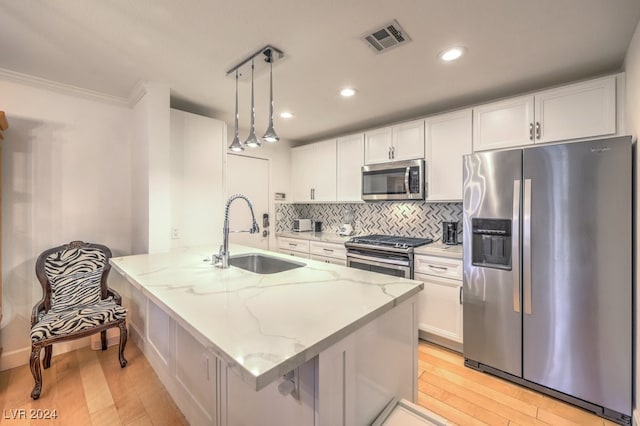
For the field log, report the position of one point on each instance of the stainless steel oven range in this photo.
(386, 254)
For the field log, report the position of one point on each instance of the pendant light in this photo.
(252, 141)
(236, 146)
(270, 135)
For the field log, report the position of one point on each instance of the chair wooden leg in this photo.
(46, 361)
(123, 342)
(103, 339)
(35, 370)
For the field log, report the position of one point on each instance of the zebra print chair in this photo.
(76, 302)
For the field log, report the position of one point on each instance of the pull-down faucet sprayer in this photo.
(221, 259)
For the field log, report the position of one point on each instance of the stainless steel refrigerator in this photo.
(548, 280)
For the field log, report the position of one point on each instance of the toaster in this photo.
(302, 225)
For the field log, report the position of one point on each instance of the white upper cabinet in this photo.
(408, 141)
(403, 141)
(503, 124)
(377, 145)
(580, 110)
(350, 155)
(447, 138)
(301, 178)
(313, 172)
(577, 111)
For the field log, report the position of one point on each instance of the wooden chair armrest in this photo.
(116, 296)
(39, 307)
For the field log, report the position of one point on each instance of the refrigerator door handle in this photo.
(515, 246)
(526, 246)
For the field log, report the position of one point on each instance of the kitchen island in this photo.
(317, 345)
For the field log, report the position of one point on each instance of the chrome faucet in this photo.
(221, 259)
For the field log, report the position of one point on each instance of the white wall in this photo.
(197, 179)
(632, 68)
(66, 175)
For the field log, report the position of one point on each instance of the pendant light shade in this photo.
(236, 146)
(267, 56)
(270, 135)
(252, 140)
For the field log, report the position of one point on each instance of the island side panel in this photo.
(358, 376)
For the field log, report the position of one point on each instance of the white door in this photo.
(248, 176)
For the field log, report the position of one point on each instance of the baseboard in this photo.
(12, 359)
(441, 341)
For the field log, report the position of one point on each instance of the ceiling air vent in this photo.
(384, 38)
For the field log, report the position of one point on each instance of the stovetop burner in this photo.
(390, 241)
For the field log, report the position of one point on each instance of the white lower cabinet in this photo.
(328, 252)
(195, 374)
(345, 383)
(440, 312)
(333, 253)
(293, 247)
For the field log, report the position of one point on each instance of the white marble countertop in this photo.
(263, 325)
(434, 249)
(439, 249)
(327, 237)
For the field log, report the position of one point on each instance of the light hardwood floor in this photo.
(468, 397)
(88, 387)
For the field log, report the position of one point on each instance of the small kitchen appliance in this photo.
(302, 225)
(317, 226)
(398, 180)
(450, 233)
(345, 229)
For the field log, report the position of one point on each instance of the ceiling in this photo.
(109, 46)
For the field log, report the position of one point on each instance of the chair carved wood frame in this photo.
(43, 307)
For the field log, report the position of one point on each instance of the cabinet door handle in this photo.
(530, 131)
(393, 152)
(311, 194)
(389, 153)
(538, 130)
(460, 295)
(439, 268)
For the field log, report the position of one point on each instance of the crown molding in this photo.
(138, 91)
(65, 89)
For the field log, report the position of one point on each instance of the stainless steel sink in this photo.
(262, 264)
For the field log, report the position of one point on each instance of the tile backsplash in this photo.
(412, 218)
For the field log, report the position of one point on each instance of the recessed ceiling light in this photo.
(347, 92)
(452, 54)
(286, 114)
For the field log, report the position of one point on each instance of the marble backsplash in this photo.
(412, 218)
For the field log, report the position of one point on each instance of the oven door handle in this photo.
(376, 261)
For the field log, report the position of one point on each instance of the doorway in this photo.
(248, 176)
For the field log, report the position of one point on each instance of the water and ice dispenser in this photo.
(491, 246)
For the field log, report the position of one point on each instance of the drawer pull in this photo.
(328, 250)
(439, 268)
(293, 245)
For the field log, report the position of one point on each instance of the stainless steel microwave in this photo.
(400, 180)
